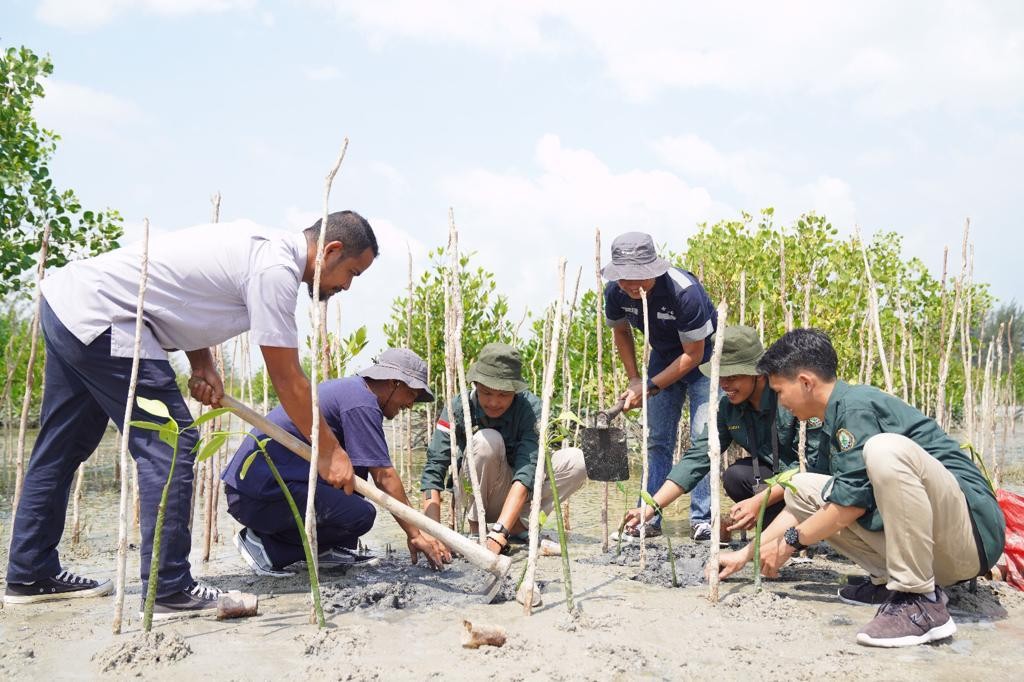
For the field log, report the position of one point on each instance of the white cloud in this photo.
(886, 57)
(519, 223)
(70, 108)
(84, 15)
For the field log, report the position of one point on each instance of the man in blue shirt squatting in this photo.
(903, 501)
(503, 424)
(749, 414)
(354, 408)
(682, 321)
(206, 284)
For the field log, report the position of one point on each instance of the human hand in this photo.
(336, 469)
(728, 563)
(633, 396)
(633, 516)
(432, 548)
(205, 385)
(773, 556)
(744, 513)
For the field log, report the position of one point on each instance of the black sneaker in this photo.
(864, 594)
(909, 619)
(64, 585)
(342, 557)
(197, 600)
(250, 546)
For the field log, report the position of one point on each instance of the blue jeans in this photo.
(663, 413)
(84, 387)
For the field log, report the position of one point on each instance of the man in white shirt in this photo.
(206, 284)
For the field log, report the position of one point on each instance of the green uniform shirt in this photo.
(856, 413)
(517, 426)
(742, 424)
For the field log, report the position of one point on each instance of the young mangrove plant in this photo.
(169, 432)
(782, 479)
(668, 536)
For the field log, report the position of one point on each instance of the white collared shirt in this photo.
(206, 284)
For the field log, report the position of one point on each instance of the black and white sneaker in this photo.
(64, 585)
(197, 600)
(255, 555)
(342, 557)
(700, 531)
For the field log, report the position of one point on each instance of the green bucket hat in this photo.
(498, 366)
(741, 350)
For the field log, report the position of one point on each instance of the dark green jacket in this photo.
(518, 428)
(855, 414)
(752, 430)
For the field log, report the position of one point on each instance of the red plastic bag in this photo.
(1011, 563)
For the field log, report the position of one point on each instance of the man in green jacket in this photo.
(749, 415)
(903, 501)
(504, 418)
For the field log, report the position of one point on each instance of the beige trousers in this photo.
(927, 536)
(495, 476)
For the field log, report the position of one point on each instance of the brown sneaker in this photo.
(864, 594)
(908, 619)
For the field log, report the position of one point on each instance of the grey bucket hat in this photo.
(404, 365)
(634, 257)
(741, 349)
(498, 366)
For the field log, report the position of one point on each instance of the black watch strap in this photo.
(496, 527)
(792, 538)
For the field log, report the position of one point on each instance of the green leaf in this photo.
(169, 436)
(149, 426)
(212, 414)
(154, 407)
(248, 463)
(213, 444)
(646, 497)
(622, 488)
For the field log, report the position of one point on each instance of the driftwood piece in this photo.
(476, 636)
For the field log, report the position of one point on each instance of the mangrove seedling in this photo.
(782, 478)
(169, 432)
(668, 536)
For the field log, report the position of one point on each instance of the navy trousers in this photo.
(340, 519)
(84, 388)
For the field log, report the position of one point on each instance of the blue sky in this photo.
(540, 121)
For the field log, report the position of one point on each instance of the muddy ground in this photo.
(397, 621)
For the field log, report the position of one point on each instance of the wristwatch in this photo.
(792, 538)
(496, 527)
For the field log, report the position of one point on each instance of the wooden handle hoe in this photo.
(497, 565)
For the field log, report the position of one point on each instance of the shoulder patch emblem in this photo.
(845, 439)
(814, 423)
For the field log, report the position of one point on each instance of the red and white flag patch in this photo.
(443, 426)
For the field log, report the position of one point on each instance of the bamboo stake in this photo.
(940, 386)
(967, 351)
(787, 311)
(599, 314)
(460, 372)
(26, 401)
(715, 455)
(529, 580)
(318, 332)
(449, 388)
(133, 380)
(901, 314)
(431, 421)
(645, 476)
(408, 344)
(743, 297)
(760, 321)
(76, 505)
(873, 309)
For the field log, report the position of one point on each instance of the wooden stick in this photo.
(715, 454)
(458, 509)
(599, 313)
(26, 401)
(873, 308)
(551, 361)
(460, 371)
(944, 354)
(133, 380)
(646, 429)
(318, 332)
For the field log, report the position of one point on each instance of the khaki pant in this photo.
(495, 476)
(927, 536)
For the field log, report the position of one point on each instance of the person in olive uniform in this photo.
(903, 500)
(749, 414)
(504, 418)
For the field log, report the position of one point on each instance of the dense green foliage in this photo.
(29, 199)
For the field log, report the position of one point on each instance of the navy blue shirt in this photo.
(679, 309)
(351, 412)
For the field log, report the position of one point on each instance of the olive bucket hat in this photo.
(405, 366)
(741, 349)
(498, 366)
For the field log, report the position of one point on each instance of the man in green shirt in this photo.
(903, 501)
(749, 415)
(504, 418)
